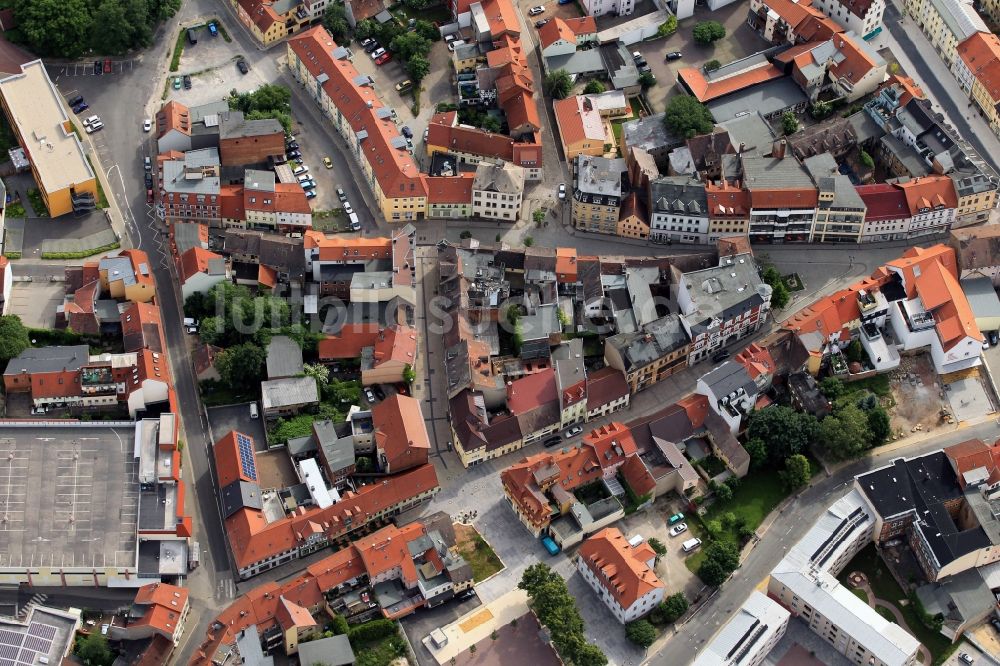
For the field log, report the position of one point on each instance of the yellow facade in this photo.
(596, 217)
(633, 227)
(718, 227)
(984, 100)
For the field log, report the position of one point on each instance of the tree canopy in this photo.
(721, 559)
(242, 365)
(797, 472)
(14, 338)
(557, 611)
(594, 87)
(640, 632)
(268, 101)
(335, 22)
(844, 434)
(784, 431)
(673, 607)
(687, 117)
(789, 123)
(708, 32)
(558, 84)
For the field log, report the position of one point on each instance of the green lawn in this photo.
(879, 385)
(481, 558)
(885, 587)
(35, 197)
(102, 200)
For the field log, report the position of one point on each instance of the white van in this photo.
(253, 410)
(355, 222)
(691, 545)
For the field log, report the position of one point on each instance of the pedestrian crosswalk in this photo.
(36, 600)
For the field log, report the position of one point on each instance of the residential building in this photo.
(805, 583)
(728, 211)
(621, 574)
(783, 198)
(274, 206)
(946, 23)
(932, 201)
(731, 393)
(366, 124)
(264, 540)
(200, 270)
(158, 609)
(722, 304)
(288, 396)
(471, 145)
(582, 130)
(977, 196)
(977, 69)
(270, 22)
(189, 186)
(534, 401)
(843, 66)
(126, 276)
(481, 434)
(450, 195)
(497, 190)
(392, 355)
(787, 22)
(245, 142)
(887, 213)
(564, 36)
(571, 382)
(360, 10)
(36, 113)
(650, 355)
(400, 435)
(749, 636)
(609, 7)
(597, 195)
(633, 218)
(651, 135)
(607, 392)
(840, 211)
(678, 210)
(862, 17)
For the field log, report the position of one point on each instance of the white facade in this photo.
(642, 606)
(605, 7)
(886, 229)
(6, 284)
(749, 636)
(931, 221)
(496, 205)
(678, 227)
(558, 48)
(914, 328)
(609, 407)
(847, 19)
(200, 283)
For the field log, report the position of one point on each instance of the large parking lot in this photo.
(211, 63)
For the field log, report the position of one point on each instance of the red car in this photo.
(384, 58)
(149, 196)
(107, 66)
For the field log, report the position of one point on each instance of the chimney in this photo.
(778, 149)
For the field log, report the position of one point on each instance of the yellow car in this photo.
(327, 162)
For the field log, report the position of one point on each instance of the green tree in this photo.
(668, 27)
(418, 67)
(364, 29)
(14, 338)
(784, 431)
(418, 5)
(335, 22)
(111, 30)
(832, 388)
(879, 427)
(845, 434)
(779, 296)
(647, 80)
(673, 607)
(589, 655)
(558, 84)
(54, 27)
(490, 123)
(796, 473)
(340, 625)
(641, 633)
(686, 117)
(866, 159)
(538, 216)
(409, 376)
(721, 559)
(712, 65)
(427, 30)
(855, 353)
(789, 123)
(528, 241)
(820, 110)
(594, 87)
(241, 366)
(317, 371)
(535, 576)
(757, 450)
(93, 649)
(708, 32)
(724, 493)
(657, 547)
(465, 234)
(410, 44)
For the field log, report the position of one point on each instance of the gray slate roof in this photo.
(49, 359)
(284, 357)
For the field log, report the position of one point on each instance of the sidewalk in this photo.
(478, 624)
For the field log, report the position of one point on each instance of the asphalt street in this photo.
(789, 527)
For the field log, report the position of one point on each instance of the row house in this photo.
(597, 194)
(728, 210)
(497, 190)
(977, 69)
(862, 17)
(190, 186)
(274, 206)
(790, 22)
(946, 23)
(783, 199)
(368, 126)
(840, 211)
(678, 208)
(649, 356)
(471, 145)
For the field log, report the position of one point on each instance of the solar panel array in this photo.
(23, 648)
(247, 463)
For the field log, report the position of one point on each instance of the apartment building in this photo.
(946, 23)
(728, 211)
(887, 213)
(678, 208)
(471, 145)
(270, 22)
(354, 108)
(274, 206)
(977, 69)
(633, 219)
(749, 636)
(783, 198)
(36, 112)
(159, 609)
(840, 211)
(932, 202)
(245, 142)
(722, 304)
(609, 7)
(805, 583)
(787, 22)
(621, 574)
(651, 355)
(597, 195)
(190, 186)
(199, 270)
(862, 17)
(497, 190)
(582, 130)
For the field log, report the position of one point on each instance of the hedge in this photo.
(12, 255)
(83, 254)
(369, 632)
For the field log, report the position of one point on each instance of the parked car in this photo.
(365, 42)
(403, 86)
(308, 184)
(347, 207)
(721, 356)
(310, 194)
(107, 65)
(98, 68)
(679, 528)
(148, 177)
(95, 127)
(91, 120)
(187, 82)
(379, 393)
(644, 68)
(241, 65)
(468, 594)
(212, 29)
(384, 58)
(573, 432)
(147, 124)
(407, 132)
(301, 169)
(674, 55)
(81, 107)
(369, 396)
(291, 145)
(562, 190)
(454, 45)
(177, 83)
(639, 61)
(377, 53)
(192, 36)
(539, 24)
(552, 441)
(372, 46)
(536, 10)
(149, 195)
(341, 194)
(967, 658)
(147, 163)
(994, 338)
(676, 518)
(691, 545)
(355, 222)
(73, 101)
(565, 2)
(295, 155)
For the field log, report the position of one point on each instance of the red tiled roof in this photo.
(981, 54)
(532, 391)
(975, 454)
(637, 476)
(611, 443)
(349, 342)
(450, 189)
(348, 250)
(554, 30)
(290, 198)
(566, 268)
(290, 614)
(884, 201)
(577, 120)
(619, 567)
(606, 385)
(705, 90)
(400, 432)
(173, 116)
(929, 192)
(856, 63)
(502, 18)
(194, 261)
(394, 169)
(757, 360)
(231, 202)
(940, 292)
(365, 9)
(727, 201)
(228, 467)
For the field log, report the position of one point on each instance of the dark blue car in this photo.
(212, 30)
(82, 106)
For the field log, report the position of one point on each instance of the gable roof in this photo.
(619, 567)
(400, 431)
(199, 260)
(578, 120)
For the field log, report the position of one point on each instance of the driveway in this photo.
(652, 523)
(35, 302)
(740, 41)
(236, 417)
